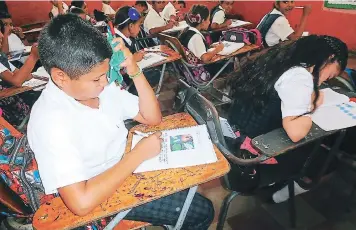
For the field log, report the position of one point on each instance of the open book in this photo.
(336, 112)
(180, 148)
(150, 59)
(229, 47)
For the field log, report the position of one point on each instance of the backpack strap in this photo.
(266, 24)
(214, 10)
(185, 37)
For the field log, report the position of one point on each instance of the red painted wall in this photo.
(338, 24)
(342, 25)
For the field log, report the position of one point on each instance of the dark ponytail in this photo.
(196, 15)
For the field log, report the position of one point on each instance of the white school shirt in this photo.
(196, 43)
(280, 29)
(107, 9)
(295, 88)
(55, 11)
(4, 68)
(73, 142)
(153, 20)
(219, 17)
(168, 11)
(15, 43)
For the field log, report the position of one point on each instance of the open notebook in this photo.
(336, 112)
(236, 23)
(229, 47)
(180, 148)
(181, 26)
(150, 59)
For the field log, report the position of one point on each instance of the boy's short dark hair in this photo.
(141, 3)
(72, 45)
(77, 11)
(4, 15)
(182, 2)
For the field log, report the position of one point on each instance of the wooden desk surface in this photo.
(138, 188)
(12, 91)
(243, 50)
(172, 55)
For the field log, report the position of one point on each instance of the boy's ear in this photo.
(59, 77)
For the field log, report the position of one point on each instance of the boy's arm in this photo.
(160, 29)
(301, 27)
(82, 197)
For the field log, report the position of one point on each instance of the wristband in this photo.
(139, 72)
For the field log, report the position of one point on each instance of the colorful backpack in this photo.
(240, 35)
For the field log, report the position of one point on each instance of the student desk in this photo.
(12, 91)
(138, 188)
(244, 50)
(171, 57)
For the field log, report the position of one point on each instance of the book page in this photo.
(150, 59)
(333, 98)
(229, 47)
(180, 148)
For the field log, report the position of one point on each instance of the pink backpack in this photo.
(240, 35)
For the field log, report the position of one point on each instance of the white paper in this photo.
(150, 59)
(181, 148)
(34, 83)
(42, 72)
(182, 25)
(229, 47)
(237, 23)
(336, 112)
(226, 128)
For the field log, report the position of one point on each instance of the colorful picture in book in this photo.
(181, 142)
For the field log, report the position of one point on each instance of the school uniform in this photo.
(278, 30)
(74, 143)
(194, 40)
(168, 11)
(153, 20)
(130, 43)
(15, 43)
(218, 15)
(55, 10)
(107, 9)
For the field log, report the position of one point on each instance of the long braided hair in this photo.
(257, 78)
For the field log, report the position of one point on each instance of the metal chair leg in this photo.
(291, 204)
(224, 208)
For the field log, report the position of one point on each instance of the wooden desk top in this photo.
(172, 55)
(243, 50)
(138, 188)
(12, 91)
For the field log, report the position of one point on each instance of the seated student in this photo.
(58, 7)
(17, 107)
(82, 5)
(14, 39)
(79, 12)
(142, 7)
(84, 122)
(218, 15)
(171, 10)
(275, 27)
(108, 10)
(127, 25)
(154, 23)
(198, 20)
(281, 89)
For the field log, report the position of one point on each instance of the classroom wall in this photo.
(320, 21)
(342, 25)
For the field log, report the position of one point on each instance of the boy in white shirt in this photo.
(154, 23)
(142, 7)
(77, 130)
(108, 10)
(14, 39)
(58, 7)
(275, 27)
(171, 9)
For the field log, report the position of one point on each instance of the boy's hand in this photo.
(34, 51)
(307, 10)
(129, 63)
(138, 56)
(170, 25)
(228, 22)
(149, 147)
(18, 32)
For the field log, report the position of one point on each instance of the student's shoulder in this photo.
(298, 74)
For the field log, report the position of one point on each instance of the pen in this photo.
(299, 7)
(141, 134)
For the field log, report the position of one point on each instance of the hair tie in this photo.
(194, 18)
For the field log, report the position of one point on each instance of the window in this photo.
(341, 4)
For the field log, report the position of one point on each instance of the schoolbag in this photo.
(240, 35)
(265, 25)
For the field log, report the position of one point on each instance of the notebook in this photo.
(229, 47)
(236, 23)
(181, 148)
(336, 112)
(182, 25)
(150, 59)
